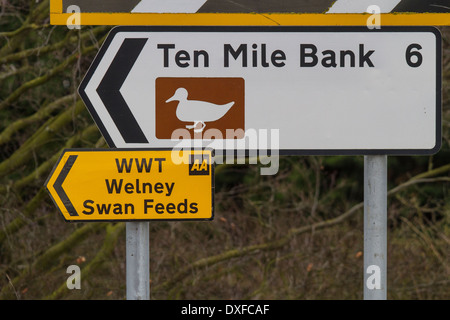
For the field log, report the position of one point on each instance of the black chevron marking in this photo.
(101, 6)
(261, 6)
(110, 85)
(423, 6)
(59, 189)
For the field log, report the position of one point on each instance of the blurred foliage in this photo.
(295, 235)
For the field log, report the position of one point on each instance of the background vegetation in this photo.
(295, 235)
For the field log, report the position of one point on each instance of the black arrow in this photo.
(59, 189)
(110, 85)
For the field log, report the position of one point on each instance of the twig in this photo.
(45, 49)
(43, 112)
(48, 130)
(112, 234)
(42, 79)
(50, 255)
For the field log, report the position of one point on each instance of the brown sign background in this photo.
(213, 90)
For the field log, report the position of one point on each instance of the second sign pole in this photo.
(375, 227)
(138, 260)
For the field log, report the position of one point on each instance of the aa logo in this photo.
(199, 165)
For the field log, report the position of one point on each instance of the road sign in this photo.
(300, 90)
(132, 185)
(247, 12)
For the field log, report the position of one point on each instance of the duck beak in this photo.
(172, 98)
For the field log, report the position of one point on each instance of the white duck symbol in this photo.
(197, 111)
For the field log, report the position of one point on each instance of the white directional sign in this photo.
(300, 90)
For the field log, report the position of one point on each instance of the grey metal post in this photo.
(375, 227)
(137, 261)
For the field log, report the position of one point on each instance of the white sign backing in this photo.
(300, 90)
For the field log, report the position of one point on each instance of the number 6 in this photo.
(409, 54)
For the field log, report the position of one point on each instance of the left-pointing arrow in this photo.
(109, 90)
(60, 190)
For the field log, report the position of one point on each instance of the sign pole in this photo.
(375, 227)
(137, 261)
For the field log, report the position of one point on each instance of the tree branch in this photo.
(42, 79)
(42, 113)
(276, 244)
(112, 234)
(25, 152)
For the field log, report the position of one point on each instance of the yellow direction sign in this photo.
(248, 12)
(129, 185)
